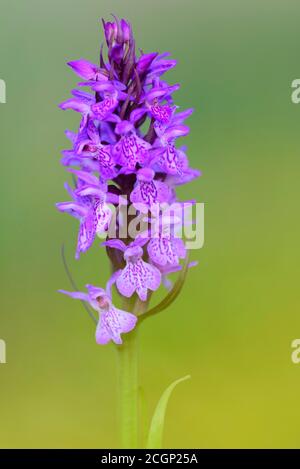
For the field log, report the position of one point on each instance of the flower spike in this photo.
(126, 164)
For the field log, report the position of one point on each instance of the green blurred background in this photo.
(232, 326)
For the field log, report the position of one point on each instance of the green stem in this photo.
(128, 389)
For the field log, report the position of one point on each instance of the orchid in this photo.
(112, 321)
(126, 165)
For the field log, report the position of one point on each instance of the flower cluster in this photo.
(126, 156)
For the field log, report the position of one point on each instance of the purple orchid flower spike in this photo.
(126, 164)
(112, 321)
(127, 160)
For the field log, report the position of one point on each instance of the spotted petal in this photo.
(138, 276)
(103, 215)
(86, 235)
(112, 324)
(165, 250)
(131, 150)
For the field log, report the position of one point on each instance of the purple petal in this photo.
(124, 127)
(103, 86)
(84, 69)
(115, 243)
(86, 235)
(131, 150)
(107, 134)
(181, 116)
(145, 61)
(76, 295)
(161, 113)
(127, 321)
(89, 190)
(161, 66)
(85, 176)
(95, 292)
(103, 215)
(71, 135)
(72, 208)
(138, 276)
(103, 335)
(83, 96)
(164, 250)
(176, 131)
(137, 114)
(75, 104)
(112, 324)
(105, 107)
(111, 282)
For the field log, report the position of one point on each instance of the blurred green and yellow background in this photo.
(233, 324)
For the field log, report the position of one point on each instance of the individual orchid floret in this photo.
(90, 206)
(153, 101)
(171, 160)
(72, 158)
(80, 102)
(110, 93)
(131, 149)
(97, 107)
(149, 192)
(112, 321)
(90, 146)
(126, 154)
(137, 276)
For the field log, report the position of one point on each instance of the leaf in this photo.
(157, 423)
(171, 296)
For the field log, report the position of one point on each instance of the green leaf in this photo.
(171, 296)
(157, 423)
